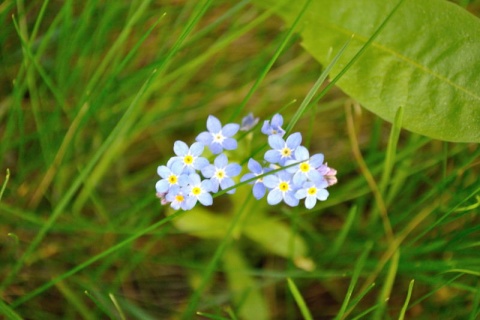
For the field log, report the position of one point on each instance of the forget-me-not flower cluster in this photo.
(288, 172)
(189, 177)
(294, 174)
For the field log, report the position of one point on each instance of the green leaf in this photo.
(278, 238)
(426, 59)
(247, 294)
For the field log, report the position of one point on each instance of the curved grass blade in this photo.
(299, 300)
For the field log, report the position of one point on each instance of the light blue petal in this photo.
(175, 205)
(274, 197)
(205, 138)
(301, 193)
(322, 194)
(233, 170)
(208, 171)
(205, 199)
(284, 175)
(172, 160)
(227, 183)
(294, 140)
(316, 160)
(315, 176)
(188, 170)
(277, 120)
(266, 127)
(310, 202)
(216, 147)
(176, 167)
(180, 148)
(299, 178)
(291, 169)
(174, 190)
(196, 149)
(247, 176)
(322, 184)
(214, 185)
(162, 186)
(290, 199)
(276, 142)
(254, 166)
(229, 144)
(258, 190)
(163, 171)
(213, 124)
(272, 156)
(183, 180)
(194, 179)
(270, 181)
(230, 129)
(301, 153)
(200, 163)
(189, 203)
(206, 185)
(221, 161)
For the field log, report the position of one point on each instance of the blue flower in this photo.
(307, 168)
(221, 173)
(179, 199)
(199, 190)
(248, 122)
(282, 188)
(282, 150)
(256, 170)
(312, 192)
(188, 157)
(274, 127)
(171, 176)
(217, 137)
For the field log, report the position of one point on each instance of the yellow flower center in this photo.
(304, 167)
(283, 186)
(179, 198)
(220, 174)
(172, 179)
(196, 191)
(188, 159)
(286, 152)
(312, 191)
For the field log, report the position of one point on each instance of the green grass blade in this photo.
(342, 236)
(117, 306)
(207, 274)
(407, 301)
(353, 282)
(476, 304)
(391, 150)
(74, 301)
(99, 304)
(8, 312)
(384, 295)
(299, 300)
(308, 98)
(95, 258)
(270, 64)
(118, 131)
(4, 185)
(211, 316)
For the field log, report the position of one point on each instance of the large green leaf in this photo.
(426, 59)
